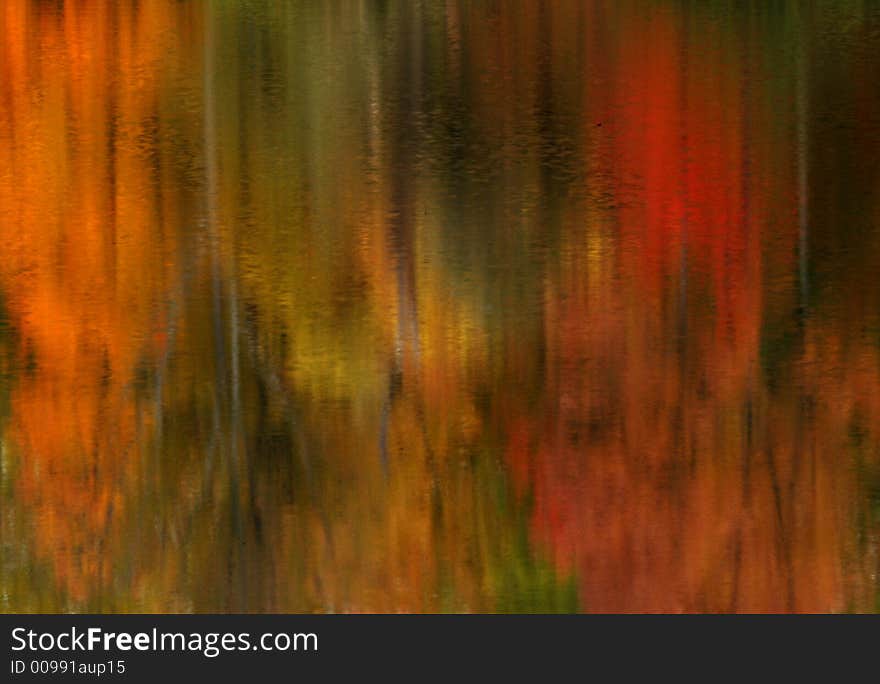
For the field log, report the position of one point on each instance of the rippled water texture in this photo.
(439, 306)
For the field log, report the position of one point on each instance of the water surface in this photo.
(439, 306)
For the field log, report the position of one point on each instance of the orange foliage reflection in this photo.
(85, 260)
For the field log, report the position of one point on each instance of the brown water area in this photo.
(419, 306)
